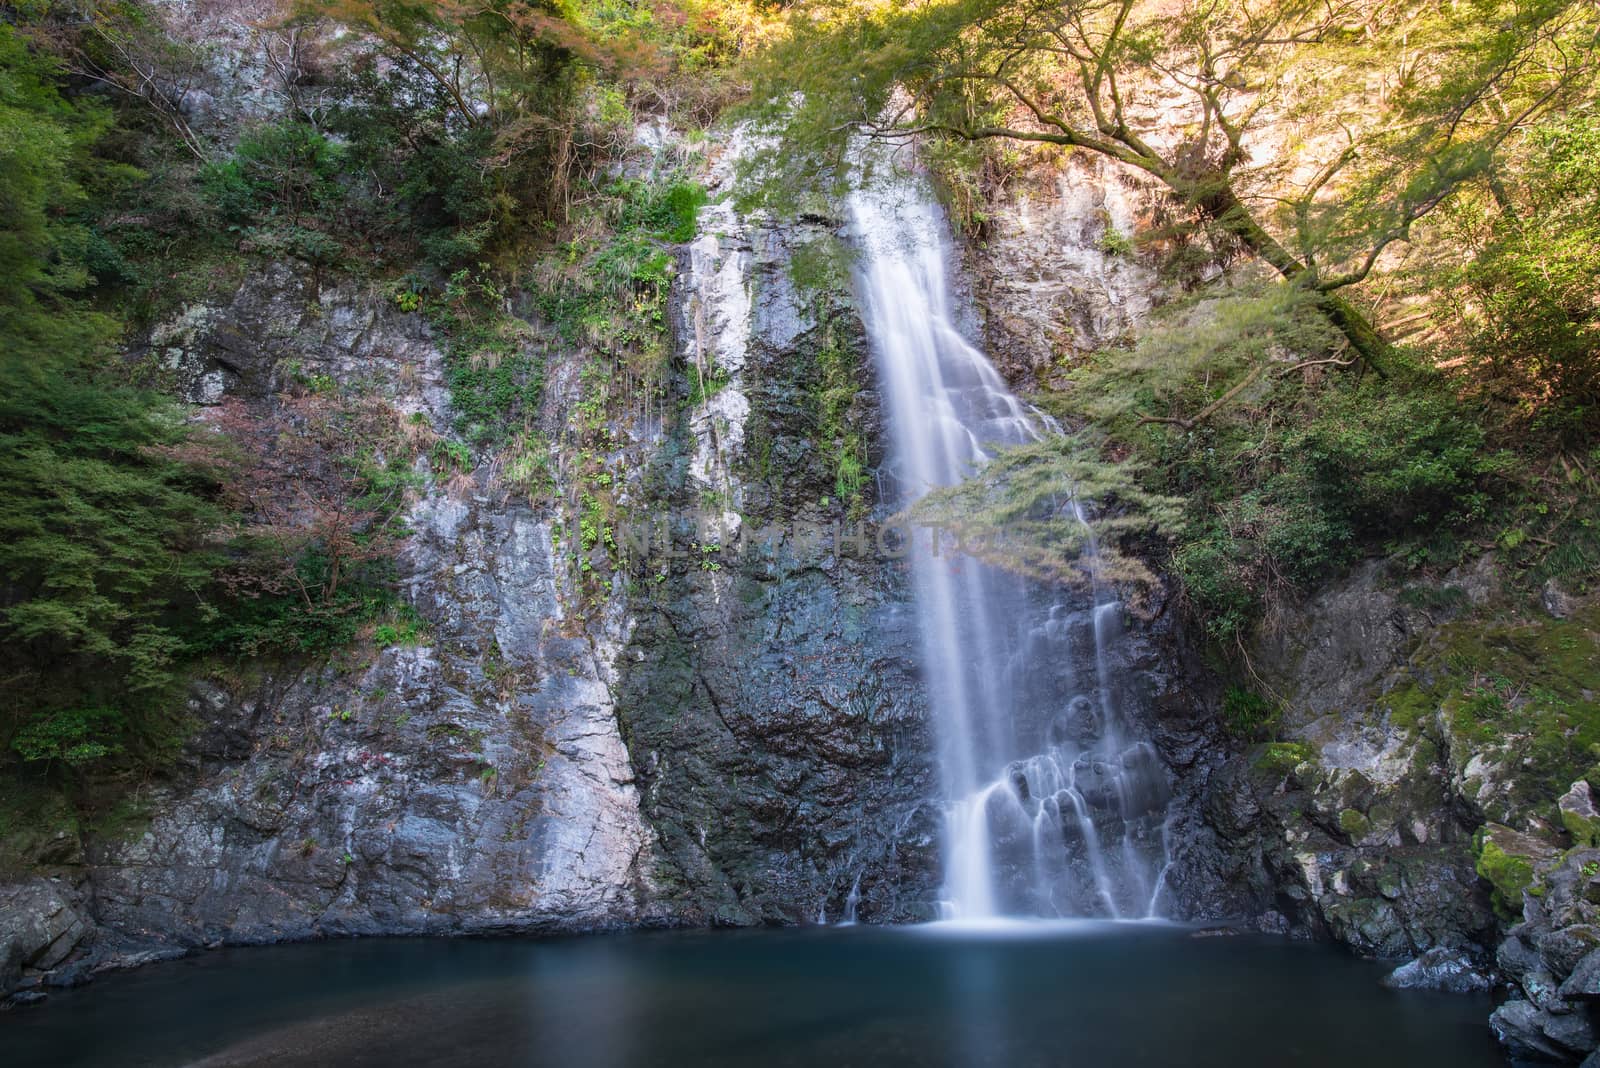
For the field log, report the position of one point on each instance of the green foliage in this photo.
(1021, 511)
(610, 285)
(104, 550)
(418, 181)
(1281, 758)
(1248, 716)
(664, 210)
(402, 626)
(706, 384)
(1286, 472)
(495, 374)
(276, 624)
(1529, 328)
(469, 140)
(74, 736)
(1395, 461)
(285, 168)
(837, 385)
(1076, 75)
(44, 159)
(525, 464)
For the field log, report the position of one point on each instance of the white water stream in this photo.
(1056, 806)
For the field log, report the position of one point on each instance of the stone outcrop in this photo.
(1551, 963)
(42, 931)
(1057, 270)
(1406, 811)
(474, 781)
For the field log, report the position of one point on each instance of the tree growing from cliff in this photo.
(1314, 134)
(510, 74)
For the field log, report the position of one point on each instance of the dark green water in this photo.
(1090, 995)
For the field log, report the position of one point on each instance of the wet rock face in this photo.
(475, 781)
(771, 697)
(777, 723)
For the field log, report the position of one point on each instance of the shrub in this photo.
(1394, 462)
(1248, 716)
(74, 736)
(1286, 475)
(284, 169)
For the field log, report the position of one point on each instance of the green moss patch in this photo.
(1501, 860)
(1523, 692)
(1354, 824)
(1280, 758)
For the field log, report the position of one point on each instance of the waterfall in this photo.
(1056, 806)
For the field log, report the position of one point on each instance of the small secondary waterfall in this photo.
(1056, 806)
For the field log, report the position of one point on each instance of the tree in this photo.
(104, 539)
(510, 71)
(318, 504)
(124, 46)
(1397, 104)
(1521, 315)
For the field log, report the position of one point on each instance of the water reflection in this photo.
(1009, 993)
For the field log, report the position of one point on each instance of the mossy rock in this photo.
(1519, 692)
(1579, 814)
(1281, 758)
(1354, 824)
(1510, 861)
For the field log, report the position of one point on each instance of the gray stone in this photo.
(1519, 1025)
(1048, 274)
(1443, 969)
(1573, 1031)
(1584, 982)
(1579, 814)
(1522, 963)
(1562, 949)
(39, 928)
(1558, 602)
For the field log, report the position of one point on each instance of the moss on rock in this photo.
(1280, 758)
(1354, 824)
(1508, 872)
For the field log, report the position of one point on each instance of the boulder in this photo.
(1449, 970)
(1519, 1027)
(1584, 982)
(39, 928)
(1557, 601)
(1579, 814)
(1562, 949)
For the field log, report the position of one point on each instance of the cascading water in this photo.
(1056, 806)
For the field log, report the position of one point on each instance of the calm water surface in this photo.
(1081, 995)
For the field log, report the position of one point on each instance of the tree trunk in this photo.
(1222, 205)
